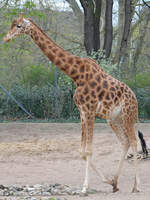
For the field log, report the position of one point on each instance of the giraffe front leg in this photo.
(83, 139)
(86, 179)
(86, 146)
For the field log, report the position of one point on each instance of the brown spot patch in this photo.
(73, 71)
(58, 62)
(34, 33)
(54, 50)
(41, 38)
(93, 94)
(64, 60)
(76, 66)
(70, 60)
(98, 88)
(36, 38)
(122, 89)
(119, 94)
(61, 55)
(82, 76)
(82, 68)
(116, 99)
(93, 84)
(112, 83)
(91, 75)
(42, 46)
(105, 103)
(86, 90)
(78, 62)
(76, 78)
(51, 57)
(92, 102)
(87, 67)
(98, 78)
(82, 99)
(87, 76)
(107, 97)
(50, 47)
(81, 83)
(101, 95)
(105, 84)
(88, 106)
(87, 98)
(112, 89)
(112, 95)
(66, 66)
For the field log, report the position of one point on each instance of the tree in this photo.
(108, 28)
(92, 13)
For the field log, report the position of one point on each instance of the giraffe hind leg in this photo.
(118, 129)
(133, 142)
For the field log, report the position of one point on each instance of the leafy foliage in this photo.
(37, 75)
(39, 101)
(104, 62)
(32, 79)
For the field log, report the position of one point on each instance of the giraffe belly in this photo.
(116, 112)
(108, 113)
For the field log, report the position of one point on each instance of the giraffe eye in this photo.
(18, 26)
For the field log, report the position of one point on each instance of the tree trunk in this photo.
(88, 25)
(92, 12)
(102, 24)
(124, 54)
(127, 24)
(108, 28)
(142, 33)
(96, 35)
(121, 16)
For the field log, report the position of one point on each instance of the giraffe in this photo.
(96, 94)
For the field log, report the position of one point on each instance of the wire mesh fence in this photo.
(46, 103)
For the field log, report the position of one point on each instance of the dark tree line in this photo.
(92, 15)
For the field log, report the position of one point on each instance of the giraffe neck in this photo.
(64, 60)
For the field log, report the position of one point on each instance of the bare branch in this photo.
(146, 4)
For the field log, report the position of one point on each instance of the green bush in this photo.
(45, 102)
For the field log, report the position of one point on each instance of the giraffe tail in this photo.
(143, 143)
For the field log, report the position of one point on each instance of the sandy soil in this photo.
(49, 153)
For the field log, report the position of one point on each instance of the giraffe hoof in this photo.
(115, 189)
(114, 184)
(83, 157)
(135, 190)
(83, 194)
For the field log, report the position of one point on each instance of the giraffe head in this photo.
(18, 27)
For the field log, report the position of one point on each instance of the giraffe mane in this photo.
(37, 26)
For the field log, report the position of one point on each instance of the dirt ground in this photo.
(48, 153)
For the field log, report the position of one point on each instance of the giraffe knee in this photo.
(84, 154)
